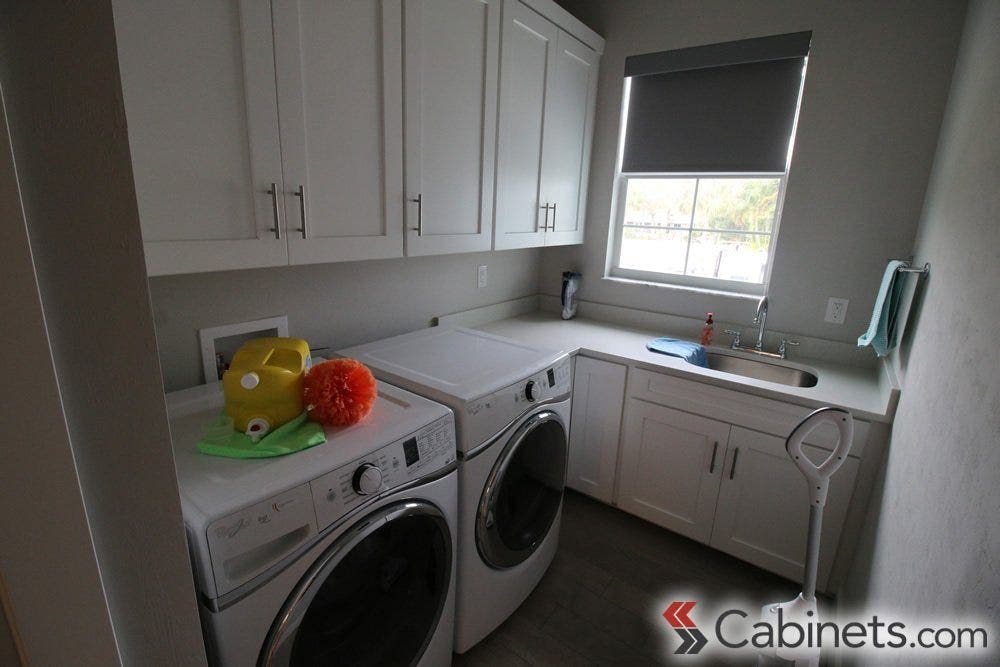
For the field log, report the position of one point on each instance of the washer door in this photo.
(523, 492)
(373, 598)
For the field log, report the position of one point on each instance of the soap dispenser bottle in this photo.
(708, 330)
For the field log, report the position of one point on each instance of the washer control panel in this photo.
(340, 491)
(246, 543)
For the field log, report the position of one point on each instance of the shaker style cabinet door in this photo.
(340, 92)
(671, 468)
(569, 128)
(198, 82)
(527, 69)
(450, 91)
(763, 512)
(598, 395)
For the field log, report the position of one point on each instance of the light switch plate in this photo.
(483, 277)
(836, 310)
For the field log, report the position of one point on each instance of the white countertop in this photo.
(866, 392)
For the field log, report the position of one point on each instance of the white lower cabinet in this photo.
(763, 509)
(671, 468)
(719, 482)
(598, 395)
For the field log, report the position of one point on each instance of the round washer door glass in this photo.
(373, 598)
(523, 492)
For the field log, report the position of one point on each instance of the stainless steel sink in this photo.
(761, 370)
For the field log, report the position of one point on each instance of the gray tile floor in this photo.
(601, 600)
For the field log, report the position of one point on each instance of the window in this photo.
(705, 147)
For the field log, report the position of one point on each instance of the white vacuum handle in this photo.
(818, 476)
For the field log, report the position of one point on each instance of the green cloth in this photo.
(221, 439)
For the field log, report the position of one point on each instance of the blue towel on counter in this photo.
(693, 353)
(883, 331)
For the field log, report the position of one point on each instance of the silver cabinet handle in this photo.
(419, 201)
(545, 225)
(273, 191)
(732, 471)
(715, 450)
(553, 217)
(301, 194)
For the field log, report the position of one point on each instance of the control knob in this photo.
(529, 391)
(367, 479)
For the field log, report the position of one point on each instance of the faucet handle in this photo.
(735, 335)
(783, 348)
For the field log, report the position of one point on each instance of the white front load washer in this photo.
(344, 553)
(512, 407)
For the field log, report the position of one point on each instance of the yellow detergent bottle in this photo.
(263, 386)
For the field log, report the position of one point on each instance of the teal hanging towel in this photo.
(883, 330)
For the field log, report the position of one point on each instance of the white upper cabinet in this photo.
(450, 85)
(340, 107)
(529, 44)
(548, 89)
(198, 82)
(291, 132)
(569, 128)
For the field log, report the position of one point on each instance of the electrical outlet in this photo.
(836, 310)
(483, 277)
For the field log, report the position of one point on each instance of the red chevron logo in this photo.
(692, 641)
(677, 614)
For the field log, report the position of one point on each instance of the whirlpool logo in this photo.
(692, 640)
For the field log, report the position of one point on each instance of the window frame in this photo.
(615, 270)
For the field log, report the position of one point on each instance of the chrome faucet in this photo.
(759, 318)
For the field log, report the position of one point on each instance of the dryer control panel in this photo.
(485, 416)
(425, 452)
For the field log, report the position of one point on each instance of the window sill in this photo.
(682, 288)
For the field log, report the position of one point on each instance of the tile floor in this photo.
(601, 600)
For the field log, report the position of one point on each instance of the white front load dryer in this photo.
(512, 409)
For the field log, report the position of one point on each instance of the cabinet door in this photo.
(671, 468)
(199, 86)
(340, 106)
(763, 513)
(569, 128)
(598, 399)
(450, 83)
(527, 67)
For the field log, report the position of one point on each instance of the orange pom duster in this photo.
(339, 392)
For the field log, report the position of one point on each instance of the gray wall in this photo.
(60, 78)
(874, 93)
(45, 576)
(932, 541)
(335, 305)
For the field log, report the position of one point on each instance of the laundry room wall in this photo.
(874, 95)
(63, 102)
(932, 537)
(334, 305)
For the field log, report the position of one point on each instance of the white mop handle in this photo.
(818, 476)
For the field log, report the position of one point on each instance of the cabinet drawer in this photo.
(753, 412)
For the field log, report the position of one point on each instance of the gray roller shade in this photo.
(720, 108)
